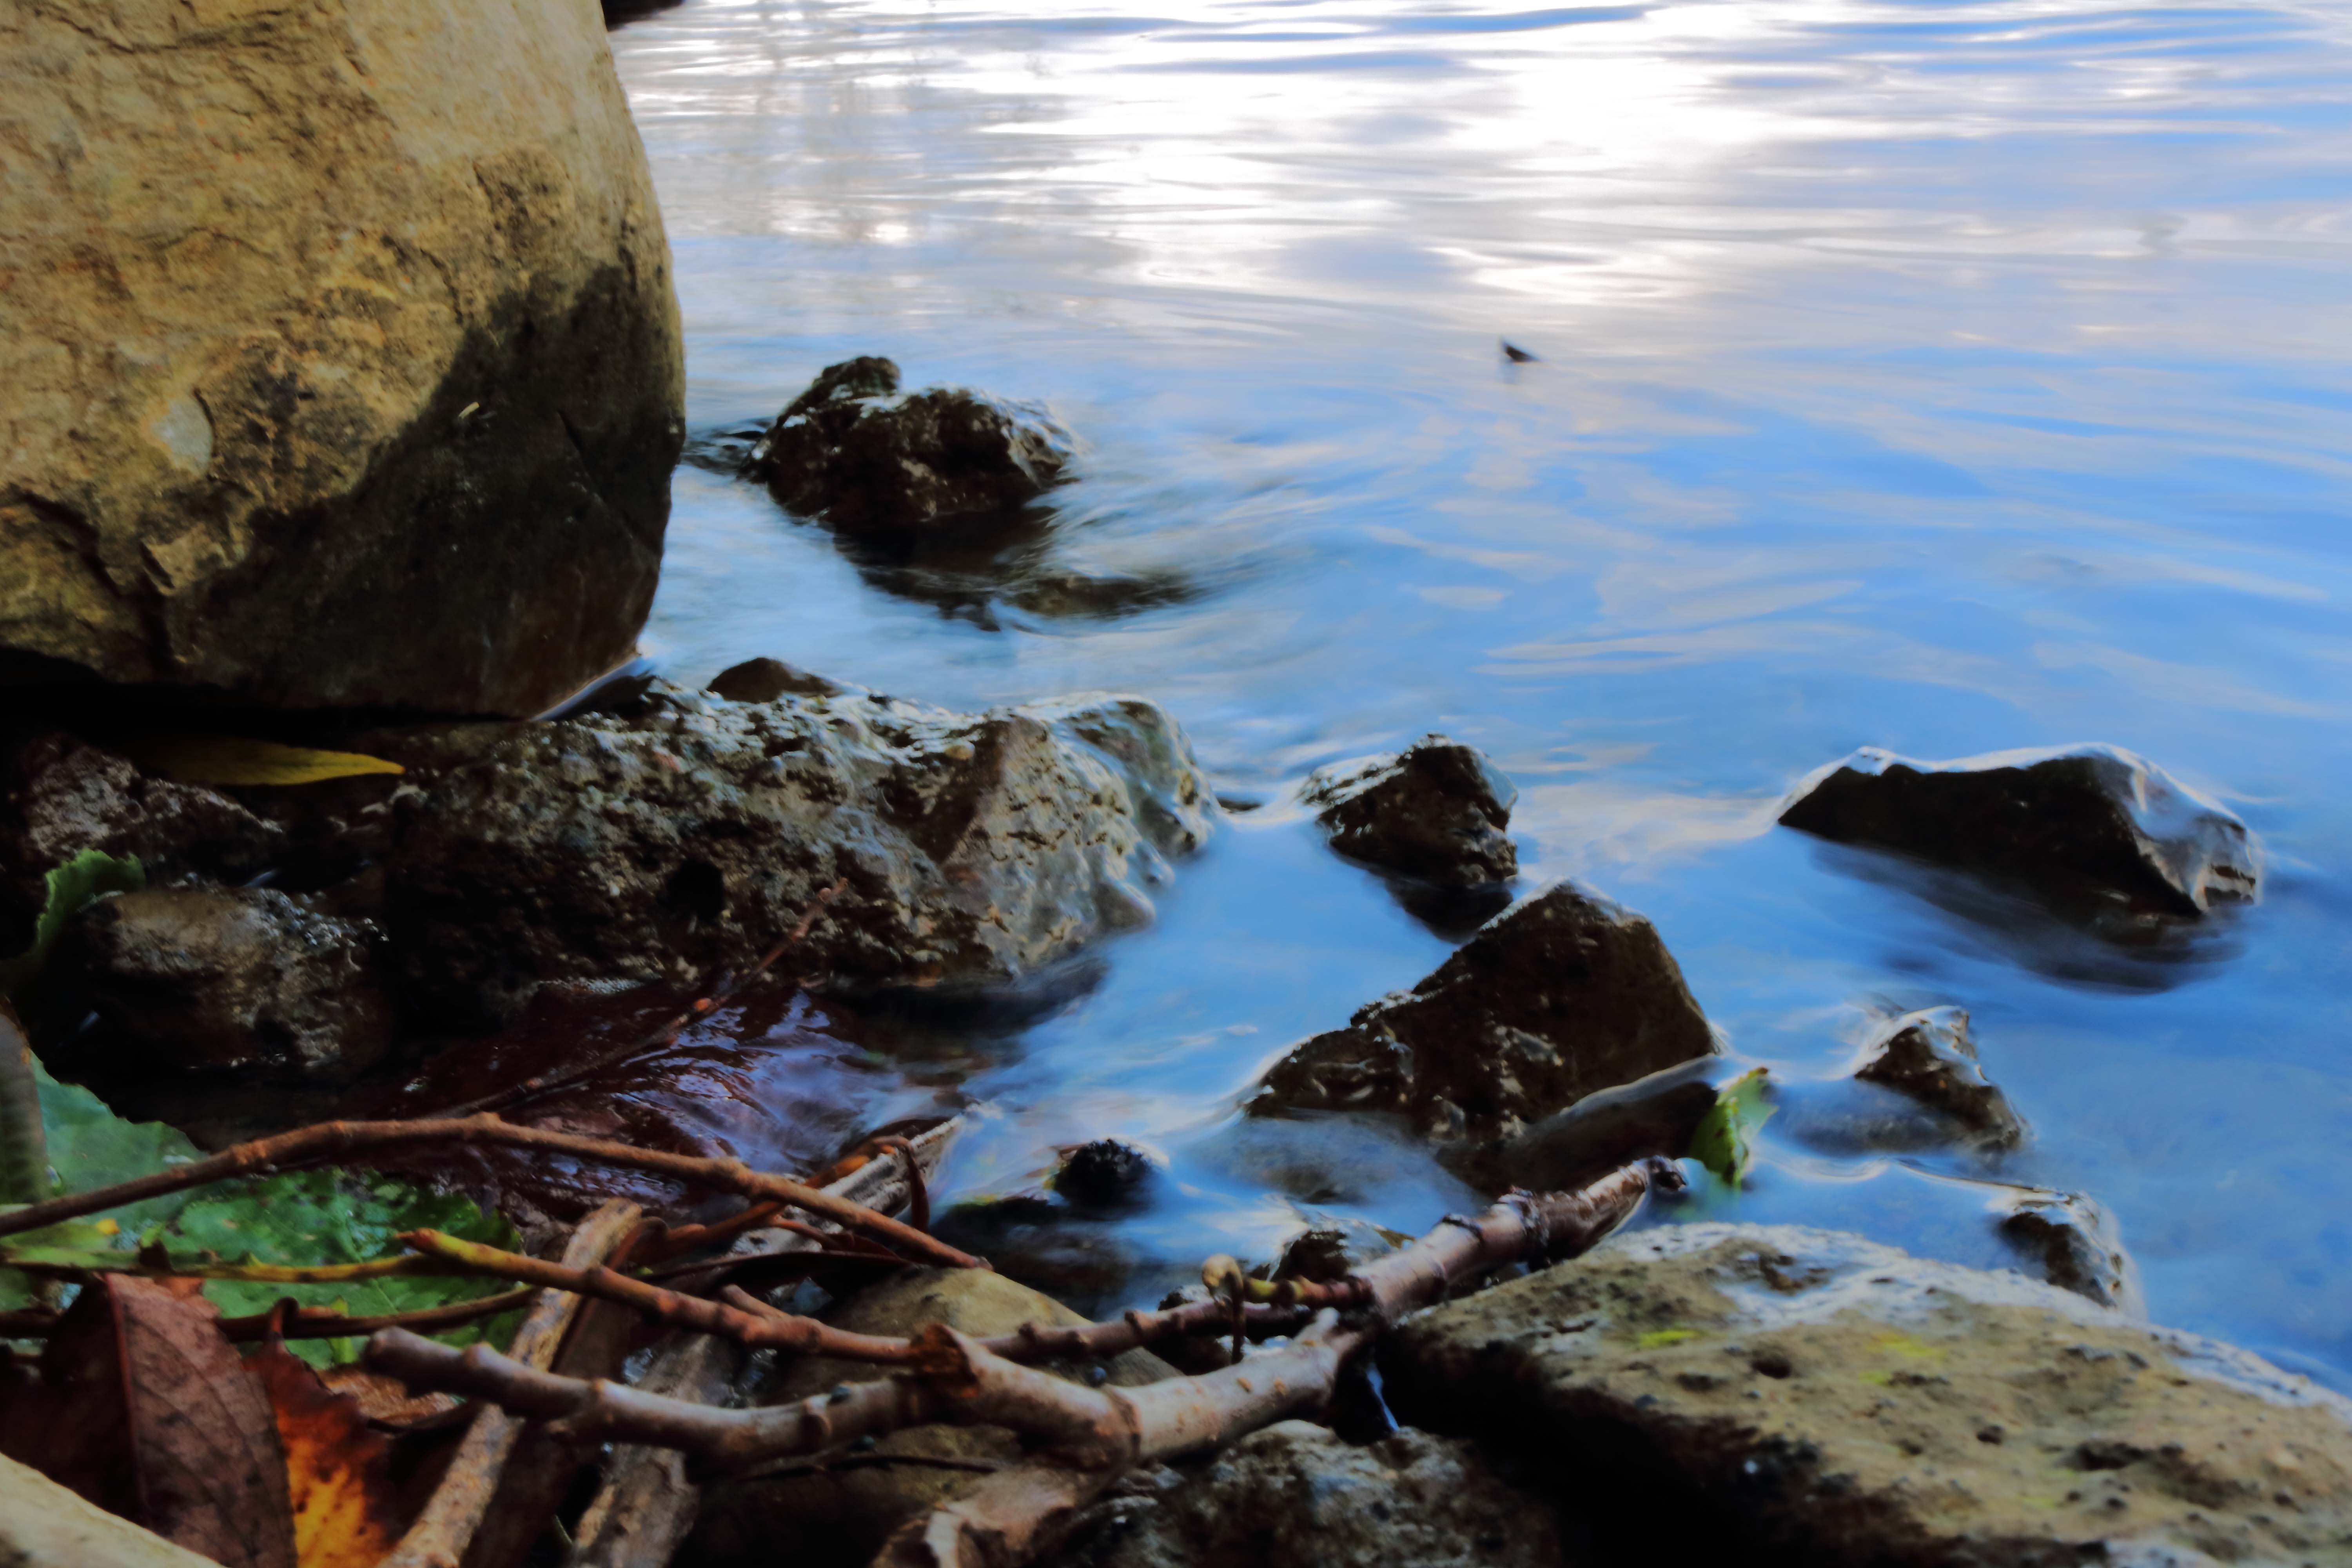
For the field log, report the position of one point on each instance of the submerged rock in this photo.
(2075, 1242)
(2101, 830)
(1562, 995)
(342, 361)
(1783, 1394)
(686, 835)
(1656, 1114)
(1297, 1495)
(1103, 1175)
(854, 452)
(842, 1518)
(214, 979)
(1436, 811)
(1930, 1057)
(1325, 1253)
(765, 680)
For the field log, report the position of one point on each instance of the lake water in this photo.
(1946, 376)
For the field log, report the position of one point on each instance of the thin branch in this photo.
(338, 1142)
(76, 1265)
(326, 1323)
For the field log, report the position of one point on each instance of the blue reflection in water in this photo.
(1941, 376)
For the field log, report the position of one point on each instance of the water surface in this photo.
(1946, 376)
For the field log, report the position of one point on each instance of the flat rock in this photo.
(2103, 832)
(1811, 1396)
(242, 979)
(842, 1518)
(865, 458)
(682, 835)
(1562, 995)
(1436, 811)
(1295, 1494)
(343, 364)
(1930, 1057)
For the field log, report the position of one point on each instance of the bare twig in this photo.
(338, 1142)
(439, 1537)
(326, 1323)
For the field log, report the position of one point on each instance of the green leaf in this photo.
(331, 1216)
(235, 760)
(1723, 1142)
(71, 885)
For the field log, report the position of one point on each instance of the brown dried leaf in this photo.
(144, 1409)
(385, 1399)
(347, 1508)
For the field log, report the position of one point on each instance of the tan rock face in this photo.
(341, 356)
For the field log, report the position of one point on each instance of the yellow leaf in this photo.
(235, 760)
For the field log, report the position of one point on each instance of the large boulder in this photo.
(683, 835)
(1436, 811)
(341, 359)
(1562, 995)
(1295, 1494)
(855, 451)
(1788, 1395)
(2104, 833)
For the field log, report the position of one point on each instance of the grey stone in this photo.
(242, 979)
(1814, 1397)
(1560, 997)
(854, 452)
(1930, 1057)
(1295, 1494)
(686, 834)
(1436, 811)
(2106, 835)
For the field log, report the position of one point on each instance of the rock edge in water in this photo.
(1436, 811)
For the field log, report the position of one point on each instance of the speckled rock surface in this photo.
(685, 834)
(1296, 1495)
(1437, 811)
(2107, 833)
(1562, 994)
(1811, 1397)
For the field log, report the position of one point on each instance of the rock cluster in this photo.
(1436, 811)
(854, 452)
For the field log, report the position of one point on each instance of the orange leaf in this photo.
(347, 1512)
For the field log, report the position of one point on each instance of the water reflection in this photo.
(1943, 376)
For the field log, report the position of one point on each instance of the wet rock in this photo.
(1805, 1396)
(842, 1518)
(1562, 995)
(391, 380)
(686, 835)
(1656, 1114)
(2075, 1242)
(1930, 1057)
(1076, 1255)
(867, 459)
(2101, 831)
(59, 795)
(1327, 1253)
(1436, 811)
(249, 979)
(1295, 1494)
(1103, 1175)
(765, 680)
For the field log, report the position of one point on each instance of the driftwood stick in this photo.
(338, 1143)
(441, 1533)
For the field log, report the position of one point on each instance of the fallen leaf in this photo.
(235, 760)
(1724, 1140)
(347, 1508)
(385, 1399)
(70, 885)
(145, 1410)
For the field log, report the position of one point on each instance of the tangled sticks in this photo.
(1079, 1439)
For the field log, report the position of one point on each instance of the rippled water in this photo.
(1946, 376)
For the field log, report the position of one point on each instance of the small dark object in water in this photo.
(1517, 355)
(1437, 811)
(765, 680)
(1103, 1175)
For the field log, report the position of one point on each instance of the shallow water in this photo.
(1946, 376)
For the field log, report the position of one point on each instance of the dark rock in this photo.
(1327, 1253)
(1562, 995)
(1658, 1114)
(854, 452)
(765, 680)
(2075, 1242)
(1103, 1175)
(2100, 830)
(842, 1518)
(214, 979)
(1296, 1495)
(1928, 1056)
(1437, 811)
(688, 834)
(1806, 1396)
(62, 796)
